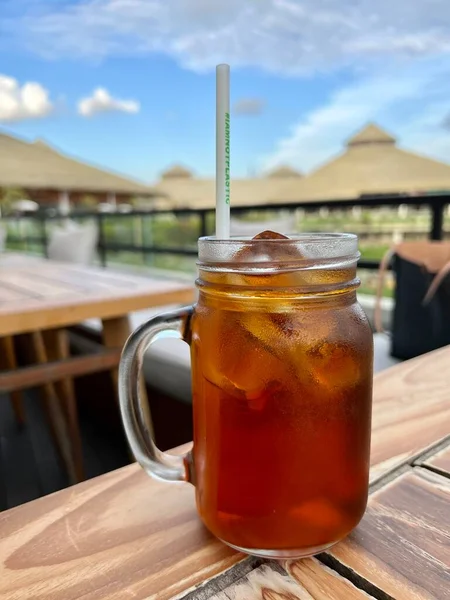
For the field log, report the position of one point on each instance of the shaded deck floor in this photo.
(29, 462)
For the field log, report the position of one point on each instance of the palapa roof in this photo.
(372, 164)
(371, 134)
(175, 172)
(284, 171)
(36, 165)
(178, 188)
(179, 192)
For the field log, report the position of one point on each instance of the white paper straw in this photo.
(222, 151)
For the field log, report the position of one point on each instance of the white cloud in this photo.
(284, 36)
(17, 103)
(412, 103)
(101, 101)
(248, 106)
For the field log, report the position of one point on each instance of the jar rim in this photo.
(313, 236)
(300, 250)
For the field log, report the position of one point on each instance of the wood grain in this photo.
(35, 375)
(38, 294)
(323, 583)
(440, 461)
(411, 409)
(124, 535)
(303, 580)
(119, 536)
(402, 546)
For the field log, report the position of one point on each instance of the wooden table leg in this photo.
(8, 361)
(55, 413)
(115, 333)
(58, 347)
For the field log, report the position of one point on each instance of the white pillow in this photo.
(73, 243)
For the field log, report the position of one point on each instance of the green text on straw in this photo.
(227, 158)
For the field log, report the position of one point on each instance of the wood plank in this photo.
(33, 284)
(101, 540)
(124, 535)
(323, 583)
(78, 275)
(402, 543)
(115, 333)
(56, 295)
(36, 315)
(11, 295)
(307, 579)
(28, 377)
(411, 409)
(440, 461)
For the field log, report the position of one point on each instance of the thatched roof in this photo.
(372, 164)
(371, 134)
(201, 193)
(175, 172)
(37, 165)
(177, 188)
(284, 172)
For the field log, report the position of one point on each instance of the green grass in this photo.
(373, 251)
(371, 291)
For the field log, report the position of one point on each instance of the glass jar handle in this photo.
(167, 467)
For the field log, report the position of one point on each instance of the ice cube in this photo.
(334, 366)
(270, 235)
(267, 251)
(235, 362)
(277, 334)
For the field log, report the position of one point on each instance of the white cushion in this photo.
(167, 363)
(73, 243)
(167, 367)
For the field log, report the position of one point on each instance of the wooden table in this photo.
(124, 535)
(42, 298)
(39, 294)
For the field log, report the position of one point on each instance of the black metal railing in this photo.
(204, 223)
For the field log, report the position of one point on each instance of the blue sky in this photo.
(129, 84)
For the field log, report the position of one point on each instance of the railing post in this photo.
(101, 239)
(142, 240)
(44, 234)
(437, 219)
(203, 231)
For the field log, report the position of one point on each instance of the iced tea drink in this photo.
(282, 390)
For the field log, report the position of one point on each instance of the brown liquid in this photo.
(282, 406)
